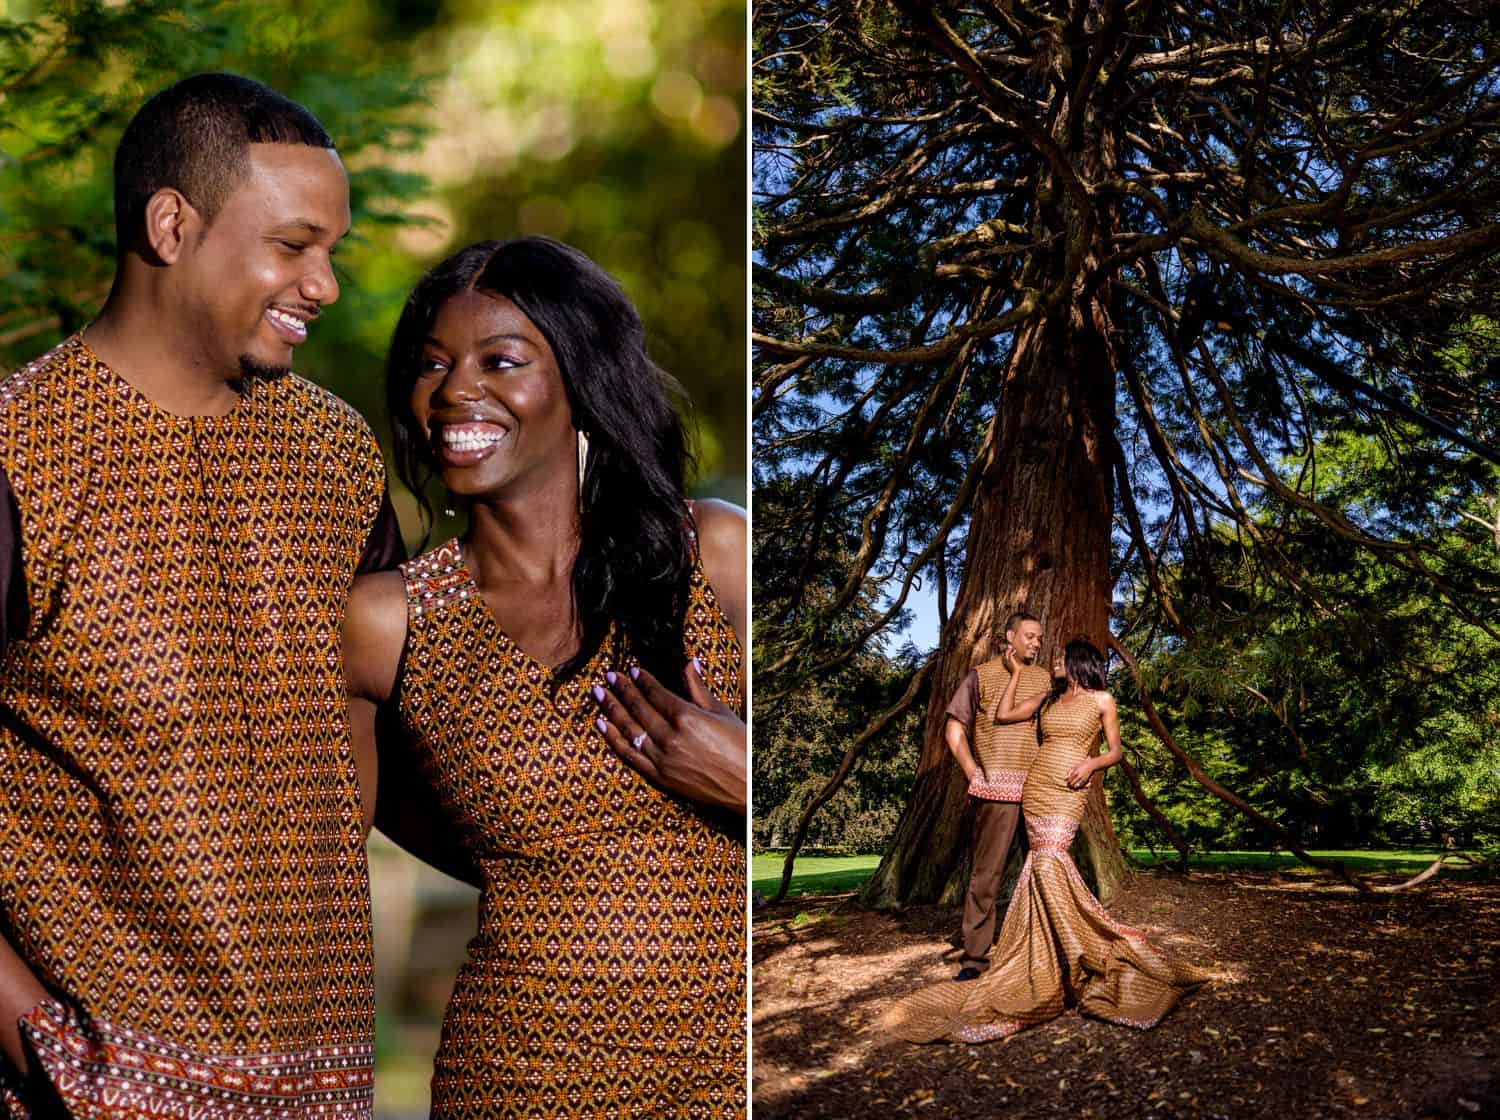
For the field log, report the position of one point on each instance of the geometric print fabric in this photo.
(1004, 751)
(1058, 947)
(607, 975)
(181, 851)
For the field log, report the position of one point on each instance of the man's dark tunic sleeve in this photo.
(965, 703)
(12, 581)
(384, 548)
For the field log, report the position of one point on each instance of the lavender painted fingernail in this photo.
(602, 726)
(697, 666)
(599, 692)
(635, 672)
(610, 676)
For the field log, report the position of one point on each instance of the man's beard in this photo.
(252, 370)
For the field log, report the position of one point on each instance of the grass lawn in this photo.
(839, 874)
(812, 874)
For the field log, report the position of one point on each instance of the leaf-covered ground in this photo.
(1325, 1005)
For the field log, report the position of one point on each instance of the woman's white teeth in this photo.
(469, 441)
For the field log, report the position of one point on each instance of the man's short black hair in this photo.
(194, 137)
(1018, 617)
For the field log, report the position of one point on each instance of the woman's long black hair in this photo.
(635, 557)
(1084, 663)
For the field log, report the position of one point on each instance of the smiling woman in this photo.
(566, 680)
(496, 411)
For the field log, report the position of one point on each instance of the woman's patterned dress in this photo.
(1058, 947)
(607, 978)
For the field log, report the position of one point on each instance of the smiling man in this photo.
(995, 758)
(184, 900)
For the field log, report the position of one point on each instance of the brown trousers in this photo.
(994, 829)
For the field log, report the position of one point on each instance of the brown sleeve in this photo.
(12, 581)
(965, 701)
(384, 548)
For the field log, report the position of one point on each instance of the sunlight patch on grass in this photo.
(817, 875)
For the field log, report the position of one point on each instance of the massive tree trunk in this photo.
(1039, 540)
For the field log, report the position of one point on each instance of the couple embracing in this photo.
(214, 675)
(1026, 740)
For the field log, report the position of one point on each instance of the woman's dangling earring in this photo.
(583, 462)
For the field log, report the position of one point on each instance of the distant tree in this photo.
(798, 746)
(802, 751)
(1045, 290)
(1354, 708)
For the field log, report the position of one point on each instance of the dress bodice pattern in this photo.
(607, 974)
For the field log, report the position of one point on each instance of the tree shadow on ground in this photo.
(1324, 1004)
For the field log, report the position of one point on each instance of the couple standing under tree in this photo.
(1026, 741)
(196, 575)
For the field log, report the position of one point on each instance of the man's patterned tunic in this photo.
(181, 852)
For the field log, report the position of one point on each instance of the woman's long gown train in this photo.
(1058, 947)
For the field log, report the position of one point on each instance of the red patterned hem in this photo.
(990, 1032)
(1004, 785)
(1141, 1024)
(1051, 834)
(101, 1070)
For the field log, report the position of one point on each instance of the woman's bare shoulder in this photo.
(374, 633)
(722, 526)
(723, 541)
